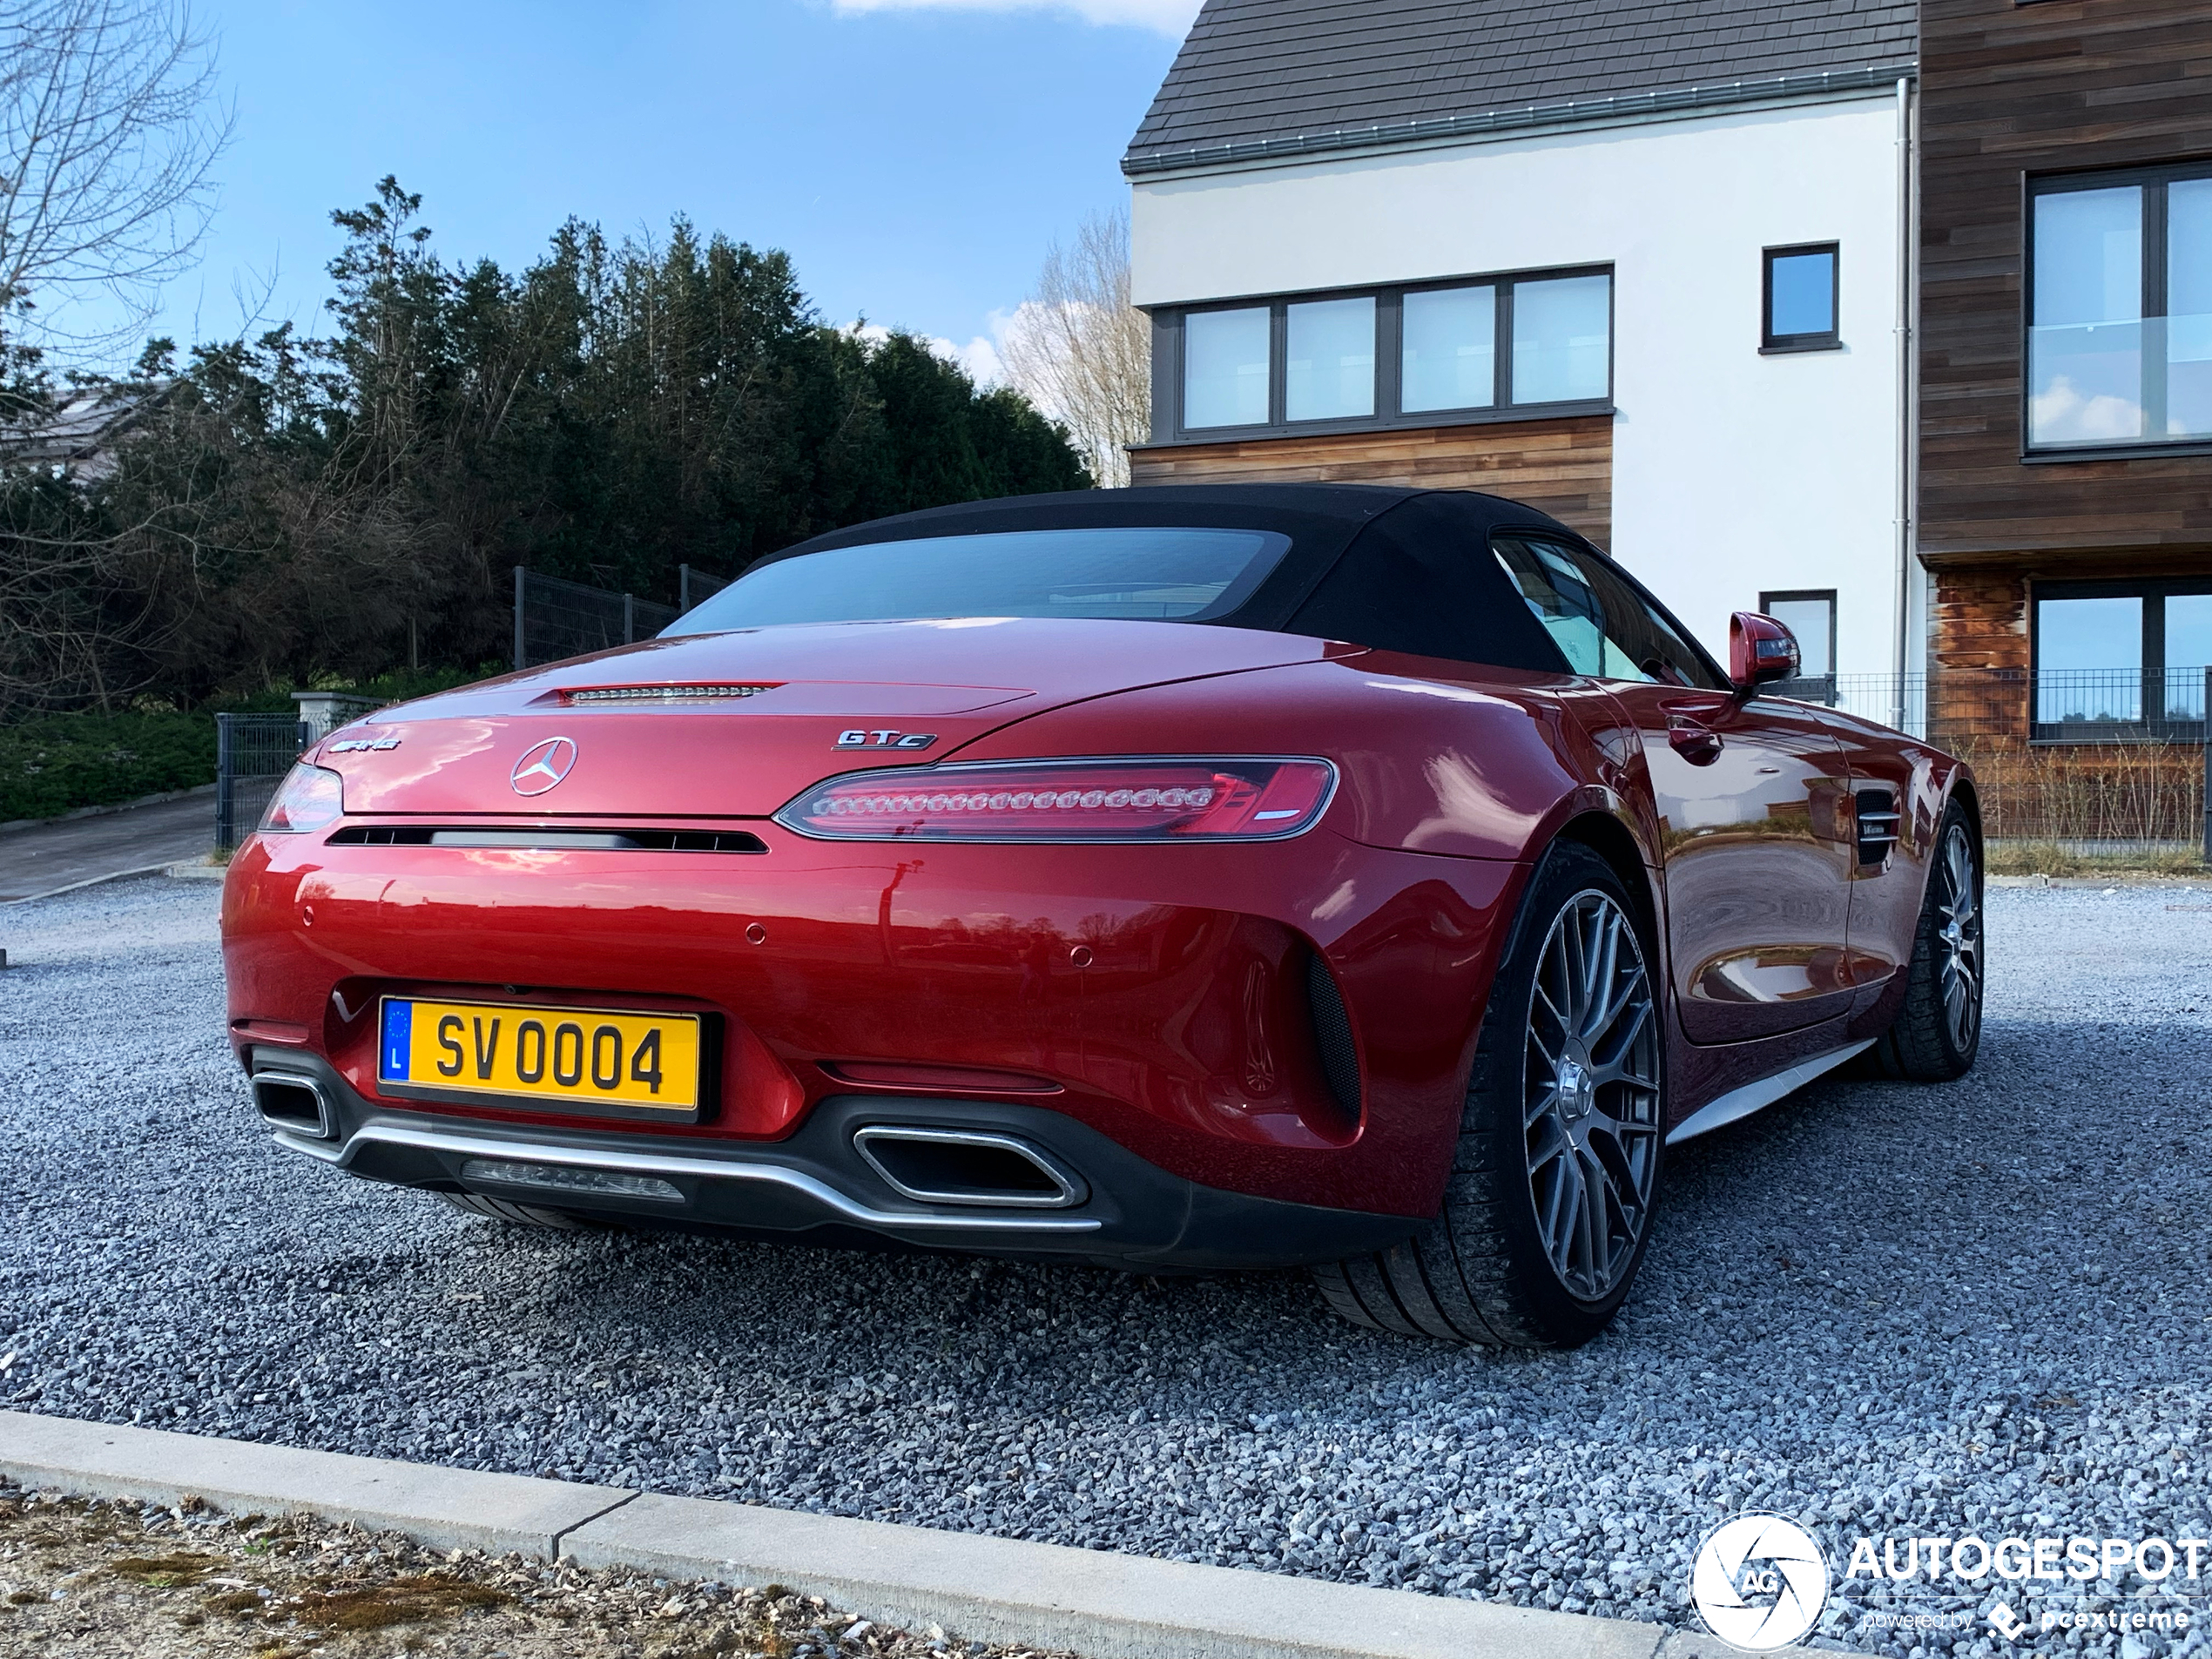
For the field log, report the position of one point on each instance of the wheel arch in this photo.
(1610, 840)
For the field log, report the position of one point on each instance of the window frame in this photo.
(1806, 688)
(2154, 591)
(2152, 181)
(1169, 364)
(1831, 339)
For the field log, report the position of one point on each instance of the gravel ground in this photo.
(121, 1581)
(1879, 1308)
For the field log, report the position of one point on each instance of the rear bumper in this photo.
(817, 1186)
(1167, 1004)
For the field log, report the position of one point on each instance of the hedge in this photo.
(54, 764)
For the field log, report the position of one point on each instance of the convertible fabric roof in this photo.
(1408, 585)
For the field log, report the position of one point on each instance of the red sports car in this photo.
(1375, 879)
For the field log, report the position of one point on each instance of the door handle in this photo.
(1698, 745)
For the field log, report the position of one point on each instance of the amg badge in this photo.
(886, 739)
(348, 746)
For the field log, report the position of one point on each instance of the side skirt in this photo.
(1742, 1103)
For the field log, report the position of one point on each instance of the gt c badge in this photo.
(886, 739)
(543, 765)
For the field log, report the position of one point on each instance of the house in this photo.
(80, 433)
(1647, 266)
(2065, 417)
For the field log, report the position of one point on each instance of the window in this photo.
(1801, 291)
(1601, 625)
(1449, 358)
(1329, 360)
(1562, 349)
(1225, 362)
(1399, 357)
(1811, 617)
(2120, 310)
(2116, 660)
(1166, 573)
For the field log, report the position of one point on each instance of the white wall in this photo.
(1733, 474)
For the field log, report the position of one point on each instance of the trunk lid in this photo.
(734, 725)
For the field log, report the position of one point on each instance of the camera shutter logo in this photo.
(1760, 1581)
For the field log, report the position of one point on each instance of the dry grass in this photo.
(2054, 858)
(86, 1579)
(414, 1600)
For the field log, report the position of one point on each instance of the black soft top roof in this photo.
(1295, 509)
(1406, 585)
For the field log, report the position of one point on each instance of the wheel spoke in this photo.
(1596, 1233)
(1635, 1008)
(1592, 1094)
(1559, 1214)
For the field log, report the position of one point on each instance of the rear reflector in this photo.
(562, 1178)
(1069, 800)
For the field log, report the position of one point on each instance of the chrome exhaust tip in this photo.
(959, 1166)
(294, 1103)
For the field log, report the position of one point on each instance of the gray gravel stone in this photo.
(1877, 1308)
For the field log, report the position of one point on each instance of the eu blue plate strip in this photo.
(399, 1036)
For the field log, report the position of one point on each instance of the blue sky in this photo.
(914, 157)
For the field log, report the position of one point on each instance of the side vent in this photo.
(1876, 810)
(1333, 1036)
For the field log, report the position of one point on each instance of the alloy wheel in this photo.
(1591, 1094)
(1959, 939)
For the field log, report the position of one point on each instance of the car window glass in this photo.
(1556, 589)
(1639, 643)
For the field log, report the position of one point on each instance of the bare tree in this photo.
(1082, 353)
(107, 137)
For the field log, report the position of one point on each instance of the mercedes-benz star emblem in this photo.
(543, 765)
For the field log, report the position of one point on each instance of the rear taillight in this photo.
(310, 798)
(1069, 800)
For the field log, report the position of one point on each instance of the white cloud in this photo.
(1170, 18)
(980, 356)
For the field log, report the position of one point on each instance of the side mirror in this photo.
(1759, 650)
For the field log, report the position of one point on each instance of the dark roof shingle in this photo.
(1255, 71)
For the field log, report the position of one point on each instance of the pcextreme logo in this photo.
(1759, 1581)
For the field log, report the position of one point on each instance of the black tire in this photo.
(1938, 1029)
(1483, 1271)
(520, 1215)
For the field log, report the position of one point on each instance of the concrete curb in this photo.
(2100, 883)
(452, 1508)
(15, 823)
(195, 870)
(1101, 1605)
(88, 881)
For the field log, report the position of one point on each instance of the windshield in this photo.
(1163, 573)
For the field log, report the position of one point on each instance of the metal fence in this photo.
(2087, 757)
(694, 587)
(556, 618)
(253, 752)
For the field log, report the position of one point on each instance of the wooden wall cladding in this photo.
(2008, 91)
(1561, 467)
(1980, 618)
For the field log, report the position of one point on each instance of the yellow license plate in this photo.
(580, 1059)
